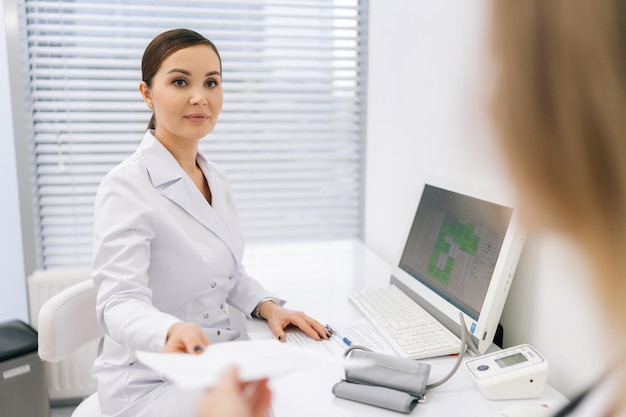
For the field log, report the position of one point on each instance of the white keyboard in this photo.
(406, 326)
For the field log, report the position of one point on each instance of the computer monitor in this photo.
(460, 255)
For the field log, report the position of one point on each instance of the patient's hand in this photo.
(233, 398)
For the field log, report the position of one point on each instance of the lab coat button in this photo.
(205, 315)
(213, 285)
(230, 276)
(222, 306)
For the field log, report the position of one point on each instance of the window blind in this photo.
(290, 136)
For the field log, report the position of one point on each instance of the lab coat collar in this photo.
(168, 177)
(161, 164)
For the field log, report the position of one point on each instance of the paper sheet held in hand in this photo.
(256, 359)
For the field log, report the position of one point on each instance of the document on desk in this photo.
(359, 332)
(255, 359)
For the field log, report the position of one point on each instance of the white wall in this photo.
(13, 304)
(427, 89)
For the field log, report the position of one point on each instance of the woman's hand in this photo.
(184, 337)
(278, 318)
(233, 398)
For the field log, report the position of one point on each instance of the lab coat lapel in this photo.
(185, 194)
(169, 178)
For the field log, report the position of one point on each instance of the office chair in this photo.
(68, 321)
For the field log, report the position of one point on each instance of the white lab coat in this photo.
(162, 254)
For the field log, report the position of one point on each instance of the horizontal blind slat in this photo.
(290, 135)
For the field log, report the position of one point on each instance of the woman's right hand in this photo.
(184, 337)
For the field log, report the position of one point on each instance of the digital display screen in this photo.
(453, 246)
(511, 360)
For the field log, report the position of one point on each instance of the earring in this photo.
(151, 106)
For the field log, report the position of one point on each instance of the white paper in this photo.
(256, 359)
(360, 332)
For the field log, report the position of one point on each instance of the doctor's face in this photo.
(186, 94)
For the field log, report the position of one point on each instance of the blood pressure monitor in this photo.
(513, 373)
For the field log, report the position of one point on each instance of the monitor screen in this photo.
(453, 246)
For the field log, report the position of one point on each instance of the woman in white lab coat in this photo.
(168, 245)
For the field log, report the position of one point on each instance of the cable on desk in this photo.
(466, 343)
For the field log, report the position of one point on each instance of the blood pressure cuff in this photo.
(377, 396)
(385, 381)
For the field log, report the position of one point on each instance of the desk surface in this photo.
(317, 278)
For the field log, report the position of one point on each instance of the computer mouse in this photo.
(527, 410)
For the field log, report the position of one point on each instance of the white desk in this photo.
(317, 278)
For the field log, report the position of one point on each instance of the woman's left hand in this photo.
(278, 318)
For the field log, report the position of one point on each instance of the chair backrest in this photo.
(67, 321)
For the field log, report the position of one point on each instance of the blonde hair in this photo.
(560, 111)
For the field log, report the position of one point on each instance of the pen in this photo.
(345, 340)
